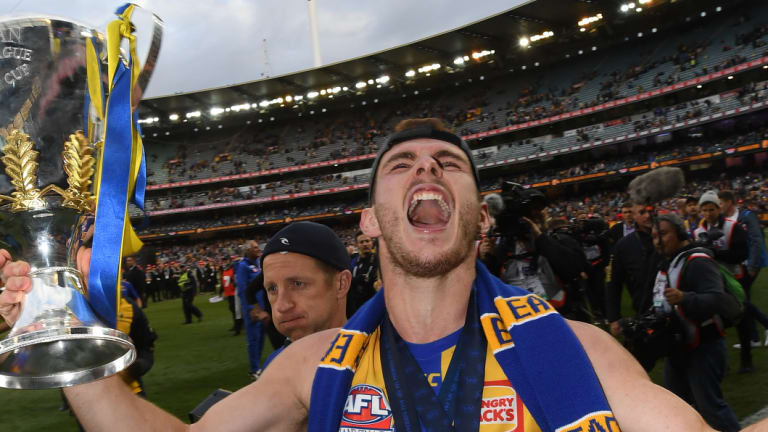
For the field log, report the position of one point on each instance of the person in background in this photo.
(229, 292)
(307, 278)
(748, 271)
(625, 227)
(634, 263)
(364, 272)
(188, 287)
(695, 295)
(690, 214)
(254, 312)
(136, 277)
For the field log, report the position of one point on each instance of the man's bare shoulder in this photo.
(605, 352)
(298, 362)
(279, 399)
(637, 403)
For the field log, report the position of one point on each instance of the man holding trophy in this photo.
(48, 293)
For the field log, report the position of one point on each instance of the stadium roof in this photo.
(501, 33)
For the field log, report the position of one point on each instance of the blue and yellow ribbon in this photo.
(125, 178)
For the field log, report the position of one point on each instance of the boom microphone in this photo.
(656, 185)
(495, 204)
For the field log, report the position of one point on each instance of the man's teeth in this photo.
(423, 196)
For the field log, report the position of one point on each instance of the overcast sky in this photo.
(211, 43)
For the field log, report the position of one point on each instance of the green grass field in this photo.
(194, 360)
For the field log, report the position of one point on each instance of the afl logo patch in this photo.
(366, 409)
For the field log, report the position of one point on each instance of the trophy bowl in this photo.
(50, 134)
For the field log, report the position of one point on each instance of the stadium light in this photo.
(458, 61)
(173, 117)
(313, 94)
(589, 20)
(538, 37)
(477, 55)
(644, 2)
(428, 68)
(193, 114)
(524, 42)
(216, 111)
(289, 98)
(383, 79)
(410, 73)
(718, 9)
(264, 103)
(360, 84)
(298, 97)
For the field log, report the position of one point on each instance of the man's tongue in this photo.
(428, 213)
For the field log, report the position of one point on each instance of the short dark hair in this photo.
(358, 234)
(413, 123)
(726, 195)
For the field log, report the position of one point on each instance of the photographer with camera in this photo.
(634, 262)
(521, 253)
(690, 290)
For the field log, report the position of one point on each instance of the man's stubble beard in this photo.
(429, 267)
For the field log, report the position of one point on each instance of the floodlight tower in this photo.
(313, 31)
(267, 64)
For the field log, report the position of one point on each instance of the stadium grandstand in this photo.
(588, 107)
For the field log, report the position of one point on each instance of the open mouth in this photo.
(429, 207)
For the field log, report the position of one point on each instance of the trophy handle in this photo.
(154, 51)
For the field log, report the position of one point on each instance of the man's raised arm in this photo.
(278, 401)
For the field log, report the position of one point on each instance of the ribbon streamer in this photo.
(125, 178)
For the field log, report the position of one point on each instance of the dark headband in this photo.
(416, 133)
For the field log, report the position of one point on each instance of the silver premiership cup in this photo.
(49, 140)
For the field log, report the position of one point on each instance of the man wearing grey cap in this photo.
(426, 212)
(725, 236)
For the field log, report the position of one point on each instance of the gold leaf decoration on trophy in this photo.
(79, 165)
(21, 167)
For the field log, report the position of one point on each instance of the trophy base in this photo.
(63, 357)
